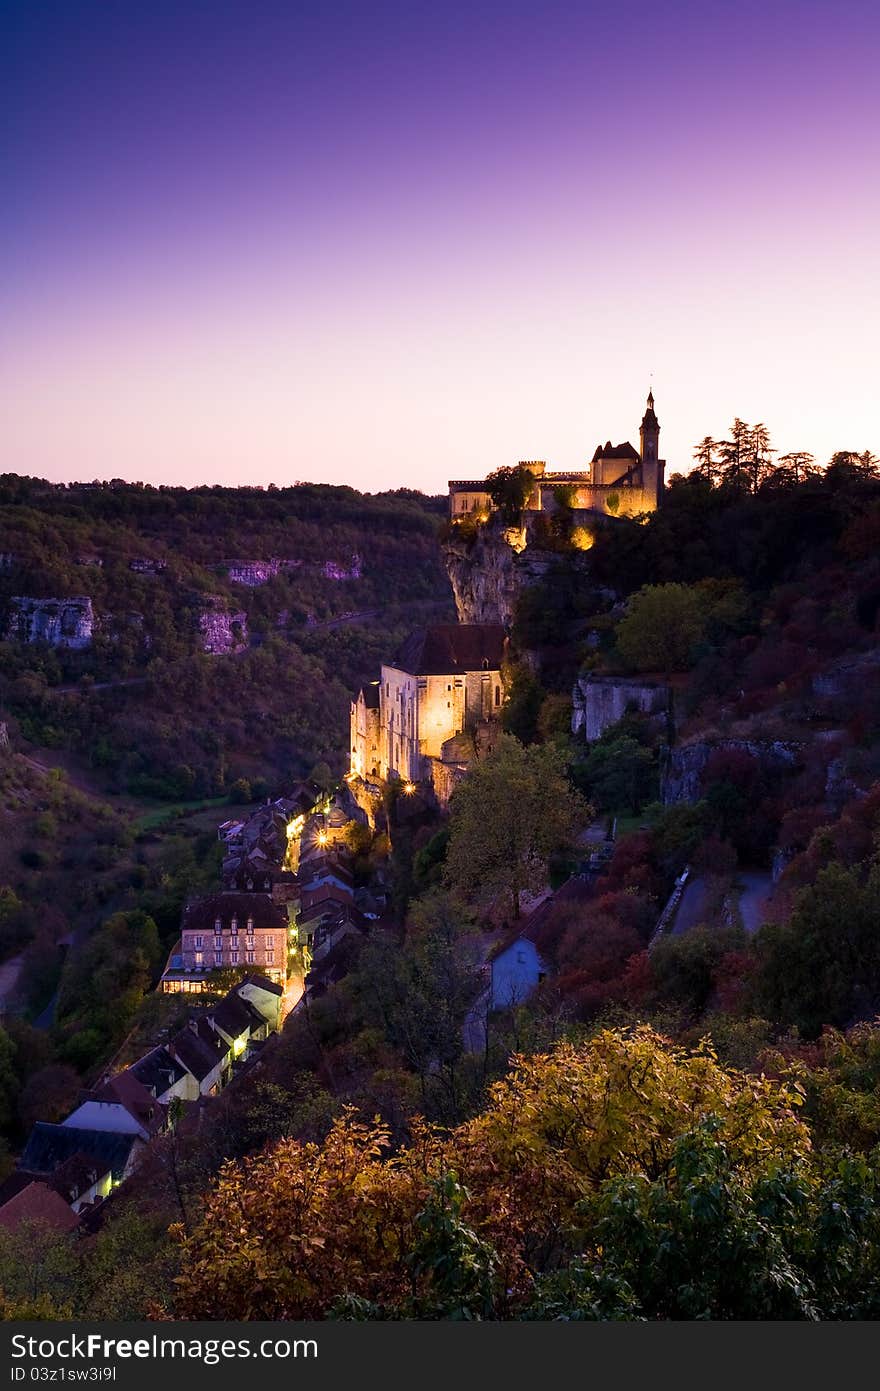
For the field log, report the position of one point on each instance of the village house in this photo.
(230, 929)
(25, 1198)
(445, 681)
(619, 481)
(122, 1104)
(104, 1156)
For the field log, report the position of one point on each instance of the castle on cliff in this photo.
(619, 481)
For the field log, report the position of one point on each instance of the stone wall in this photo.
(600, 701)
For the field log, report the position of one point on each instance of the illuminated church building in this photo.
(429, 702)
(620, 480)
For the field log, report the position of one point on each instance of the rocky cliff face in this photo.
(682, 778)
(488, 576)
(222, 632)
(600, 701)
(60, 622)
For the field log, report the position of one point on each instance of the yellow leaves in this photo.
(317, 1221)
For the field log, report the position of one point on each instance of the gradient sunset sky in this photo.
(392, 244)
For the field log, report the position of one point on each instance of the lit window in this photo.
(270, 956)
(199, 958)
(218, 926)
(250, 924)
(218, 943)
(234, 924)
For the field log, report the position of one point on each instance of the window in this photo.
(197, 942)
(218, 926)
(250, 924)
(249, 942)
(218, 943)
(270, 956)
(497, 695)
(234, 925)
(199, 958)
(218, 958)
(249, 957)
(233, 957)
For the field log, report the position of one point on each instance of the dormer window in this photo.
(218, 926)
(250, 924)
(234, 924)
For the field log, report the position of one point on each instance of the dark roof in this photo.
(128, 1091)
(157, 1070)
(35, 1201)
(49, 1146)
(370, 695)
(616, 451)
(233, 1015)
(335, 964)
(202, 913)
(197, 1054)
(447, 649)
(262, 983)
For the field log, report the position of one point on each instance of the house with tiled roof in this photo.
(121, 1104)
(231, 929)
(24, 1198)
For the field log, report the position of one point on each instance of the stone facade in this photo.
(598, 702)
(620, 481)
(445, 681)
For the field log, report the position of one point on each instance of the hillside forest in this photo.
(675, 1124)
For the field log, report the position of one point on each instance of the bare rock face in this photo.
(600, 701)
(60, 622)
(222, 632)
(256, 572)
(682, 778)
(339, 570)
(145, 565)
(489, 573)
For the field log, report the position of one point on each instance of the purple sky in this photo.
(392, 244)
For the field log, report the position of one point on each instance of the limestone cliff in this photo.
(489, 573)
(222, 632)
(600, 701)
(60, 622)
(682, 778)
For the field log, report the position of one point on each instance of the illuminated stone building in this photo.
(235, 929)
(444, 682)
(620, 480)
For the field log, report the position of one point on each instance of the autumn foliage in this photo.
(302, 1228)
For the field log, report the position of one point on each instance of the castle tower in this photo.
(649, 448)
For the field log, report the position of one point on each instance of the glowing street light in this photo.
(322, 838)
(409, 788)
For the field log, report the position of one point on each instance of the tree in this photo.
(823, 965)
(707, 465)
(794, 467)
(759, 460)
(661, 627)
(734, 456)
(515, 808)
(620, 774)
(510, 489)
(457, 1224)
